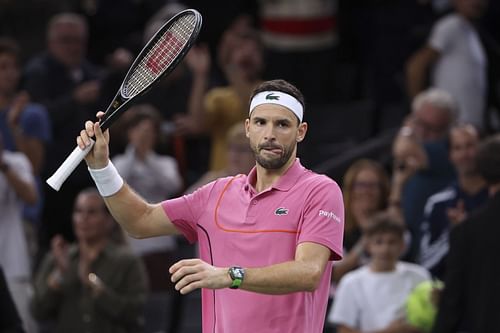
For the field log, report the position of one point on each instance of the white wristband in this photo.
(107, 180)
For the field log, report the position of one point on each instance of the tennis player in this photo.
(266, 240)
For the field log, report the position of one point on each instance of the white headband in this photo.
(280, 98)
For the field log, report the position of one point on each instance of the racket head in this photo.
(162, 53)
(159, 57)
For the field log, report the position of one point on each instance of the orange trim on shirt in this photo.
(216, 219)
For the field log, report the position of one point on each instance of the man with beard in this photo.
(272, 234)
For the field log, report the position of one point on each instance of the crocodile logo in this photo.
(272, 97)
(281, 211)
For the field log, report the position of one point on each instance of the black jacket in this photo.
(470, 301)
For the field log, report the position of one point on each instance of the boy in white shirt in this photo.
(372, 298)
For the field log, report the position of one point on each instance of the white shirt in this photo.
(461, 67)
(14, 256)
(157, 178)
(368, 301)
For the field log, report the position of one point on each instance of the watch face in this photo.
(236, 273)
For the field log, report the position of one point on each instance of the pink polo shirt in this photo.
(234, 225)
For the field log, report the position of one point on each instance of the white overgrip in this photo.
(68, 166)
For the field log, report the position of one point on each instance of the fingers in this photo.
(187, 275)
(191, 274)
(91, 129)
(189, 283)
(97, 129)
(182, 263)
(83, 140)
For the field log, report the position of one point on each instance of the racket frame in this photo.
(120, 102)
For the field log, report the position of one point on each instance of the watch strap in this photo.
(236, 284)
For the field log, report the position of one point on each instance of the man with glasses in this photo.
(67, 84)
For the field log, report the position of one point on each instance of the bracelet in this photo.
(107, 180)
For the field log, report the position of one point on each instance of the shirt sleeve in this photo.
(323, 221)
(345, 310)
(443, 34)
(21, 165)
(185, 211)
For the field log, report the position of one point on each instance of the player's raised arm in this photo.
(139, 218)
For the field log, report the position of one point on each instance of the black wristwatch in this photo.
(237, 274)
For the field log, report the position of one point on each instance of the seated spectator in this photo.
(17, 186)
(240, 158)
(64, 82)
(421, 163)
(372, 298)
(365, 190)
(153, 176)
(449, 207)
(94, 285)
(469, 301)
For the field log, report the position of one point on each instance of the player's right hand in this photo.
(98, 156)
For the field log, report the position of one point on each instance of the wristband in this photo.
(107, 180)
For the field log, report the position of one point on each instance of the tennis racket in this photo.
(162, 53)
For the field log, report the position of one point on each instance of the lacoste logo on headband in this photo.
(281, 211)
(272, 97)
(279, 98)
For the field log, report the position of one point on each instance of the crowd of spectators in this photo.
(430, 70)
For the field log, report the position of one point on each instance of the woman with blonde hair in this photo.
(365, 190)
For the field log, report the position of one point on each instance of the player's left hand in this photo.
(191, 274)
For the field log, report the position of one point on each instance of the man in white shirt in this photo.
(457, 61)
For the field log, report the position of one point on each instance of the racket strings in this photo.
(160, 56)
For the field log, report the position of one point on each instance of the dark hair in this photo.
(385, 223)
(9, 46)
(93, 191)
(488, 159)
(141, 112)
(280, 85)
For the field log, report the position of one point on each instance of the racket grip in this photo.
(68, 166)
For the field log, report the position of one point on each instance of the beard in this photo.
(272, 163)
